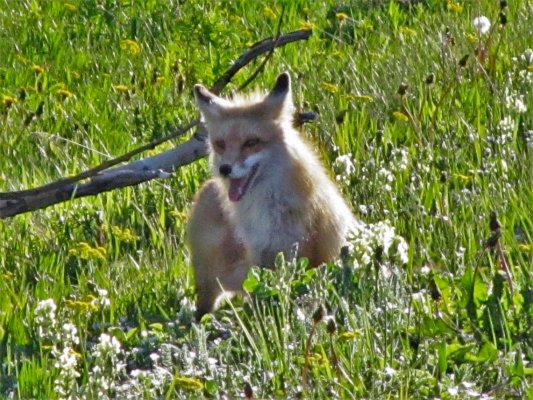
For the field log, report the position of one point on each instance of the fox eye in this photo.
(251, 143)
(220, 145)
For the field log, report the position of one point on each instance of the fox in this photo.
(269, 194)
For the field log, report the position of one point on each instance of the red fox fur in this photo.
(270, 193)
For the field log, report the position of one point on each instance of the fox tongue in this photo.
(237, 188)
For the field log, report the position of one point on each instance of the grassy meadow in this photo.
(424, 117)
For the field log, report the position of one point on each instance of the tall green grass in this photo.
(430, 112)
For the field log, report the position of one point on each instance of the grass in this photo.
(432, 115)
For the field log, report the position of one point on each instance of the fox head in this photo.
(246, 133)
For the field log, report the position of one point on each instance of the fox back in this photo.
(270, 186)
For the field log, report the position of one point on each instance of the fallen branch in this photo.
(103, 179)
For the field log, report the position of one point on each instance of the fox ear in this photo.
(279, 100)
(210, 104)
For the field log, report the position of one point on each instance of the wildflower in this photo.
(69, 334)
(67, 364)
(86, 252)
(268, 13)
(121, 88)
(124, 235)
(306, 25)
(344, 167)
(506, 125)
(37, 69)
(341, 16)
(454, 7)
(482, 24)
(106, 368)
(188, 383)
(330, 87)
(8, 101)
(407, 32)
(130, 45)
(65, 94)
(400, 116)
(362, 98)
(45, 318)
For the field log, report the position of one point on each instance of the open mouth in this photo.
(239, 186)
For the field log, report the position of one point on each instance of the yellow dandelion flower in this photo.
(465, 179)
(526, 248)
(454, 7)
(8, 101)
(306, 25)
(64, 93)
(268, 13)
(341, 16)
(130, 45)
(407, 32)
(471, 38)
(81, 306)
(7, 275)
(330, 87)
(350, 335)
(185, 382)
(362, 97)
(179, 215)
(70, 7)
(37, 69)
(317, 359)
(121, 88)
(400, 116)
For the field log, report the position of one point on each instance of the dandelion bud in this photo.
(462, 61)
(319, 314)
(403, 89)
(494, 224)
(503, 18)
(332, 326)
(430, 78)
(434, 290)
(248, 391)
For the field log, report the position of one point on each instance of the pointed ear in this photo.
(210, 104)
(279, 100)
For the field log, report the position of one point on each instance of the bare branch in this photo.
(104, 179)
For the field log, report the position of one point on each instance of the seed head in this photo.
(319, 314)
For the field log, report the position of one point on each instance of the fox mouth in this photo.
(239, 186)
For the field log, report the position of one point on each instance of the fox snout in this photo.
(225, 170)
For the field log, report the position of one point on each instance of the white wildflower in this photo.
(69, 334)
(482, 24)
(344, 167)
(506, 126)
(45, 318)
(453, 390)
(389, 371)
(527, 56)
(102, 301)
(107, 368)
(386, 175)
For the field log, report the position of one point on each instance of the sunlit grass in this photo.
(424, 120)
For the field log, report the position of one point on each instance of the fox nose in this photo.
(225, 170)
